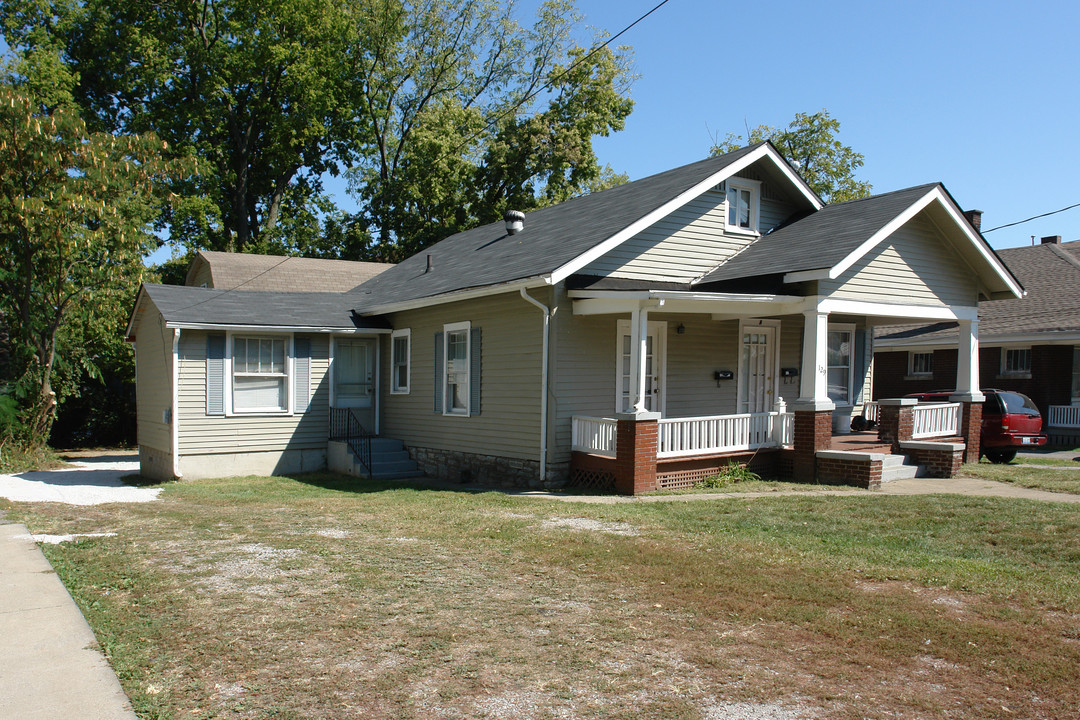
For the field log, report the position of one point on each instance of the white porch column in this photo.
(967, 362)
(814, 385)
(639, 338)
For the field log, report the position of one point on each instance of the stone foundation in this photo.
(155, 464)
(288, 462)
(457, 466)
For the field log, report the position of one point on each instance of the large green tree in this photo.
(419, 98)
(75, 208)
(810, 143)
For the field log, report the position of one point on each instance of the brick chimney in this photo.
(975, 218)
(1051, 240)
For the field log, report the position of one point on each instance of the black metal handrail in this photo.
(346, 427)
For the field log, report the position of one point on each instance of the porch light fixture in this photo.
(681, 329)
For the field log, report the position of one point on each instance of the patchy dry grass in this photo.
(310, 598)
(1041, 475)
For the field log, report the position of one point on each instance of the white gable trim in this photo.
(765, 151)
(938, 195)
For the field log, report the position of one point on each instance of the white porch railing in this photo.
(680, 437)
(870, 411)
(935, 420)
(594, 435)
(1064, 416)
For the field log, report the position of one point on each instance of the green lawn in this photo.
(1050, 474)
(320, 597)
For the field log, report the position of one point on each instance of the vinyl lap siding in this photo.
(201, 434)
(684, 245)
(153, 379)
(914, 266)
(509, 422)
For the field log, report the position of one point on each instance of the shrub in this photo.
(733, 473)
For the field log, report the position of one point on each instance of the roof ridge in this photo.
(886, 194)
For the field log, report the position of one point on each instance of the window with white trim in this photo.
(400, 361)
(260, 374)
(841, 371)
(743, 202)
(920, 363)
(1016, 361)
(456, 369)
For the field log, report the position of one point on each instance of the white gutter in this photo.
(543, 382)
(176, 404)
(453, 296)
(180, 324)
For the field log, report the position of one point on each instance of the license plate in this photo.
(1028, 441)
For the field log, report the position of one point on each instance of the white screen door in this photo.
(757, 369)
(354, 373)
(654, 367)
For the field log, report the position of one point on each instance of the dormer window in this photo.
(743, 199)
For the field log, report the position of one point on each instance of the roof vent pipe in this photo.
(515, 221)
(430, 265)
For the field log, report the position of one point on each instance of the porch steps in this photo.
(898, 467)
(390, 460)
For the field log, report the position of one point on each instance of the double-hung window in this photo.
(260, 374)
(456, 375)
(742, 204)
(1016, 361)
(920, 363)
(840, 377)
(400, 342)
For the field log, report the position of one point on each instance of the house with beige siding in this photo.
(632, 339)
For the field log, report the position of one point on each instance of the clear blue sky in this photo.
(983, 97)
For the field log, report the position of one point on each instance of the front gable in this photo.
(916, 265)
(695, 237)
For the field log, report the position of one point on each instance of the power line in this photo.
(1035, 217)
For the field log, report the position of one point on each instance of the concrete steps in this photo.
(898, 467)
(389, 460)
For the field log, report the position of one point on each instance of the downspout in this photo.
(543, 383)
(176, 404)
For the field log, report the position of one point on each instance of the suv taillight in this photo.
(1005, 422)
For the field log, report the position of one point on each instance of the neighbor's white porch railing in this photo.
(1064, 416)
(935, 420)
(594, 435)
(870, 411)
(680, 437)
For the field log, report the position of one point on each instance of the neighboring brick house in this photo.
(1030, 345)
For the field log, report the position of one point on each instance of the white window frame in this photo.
(754, 188)
(912, 372)
(394, 388)
(230, 384)
(448, 328)
(1005, 371)
(850, 329)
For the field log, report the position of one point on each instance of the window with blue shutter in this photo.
(438, 371)
(475, 359)
(215, 374)
(302, 373)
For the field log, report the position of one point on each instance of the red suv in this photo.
(1010, 420)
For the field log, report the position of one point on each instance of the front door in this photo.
(757, 369)
(354, 377)
(654, 368)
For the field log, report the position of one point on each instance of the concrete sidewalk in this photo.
(48, 667)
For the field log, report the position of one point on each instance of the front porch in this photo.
(636, 453)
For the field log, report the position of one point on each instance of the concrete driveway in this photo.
(94, 479)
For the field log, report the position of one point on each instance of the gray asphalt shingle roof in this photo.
(819, 240)
(248, 271)
(196, 305)
(552, 237)
(1051, 276)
